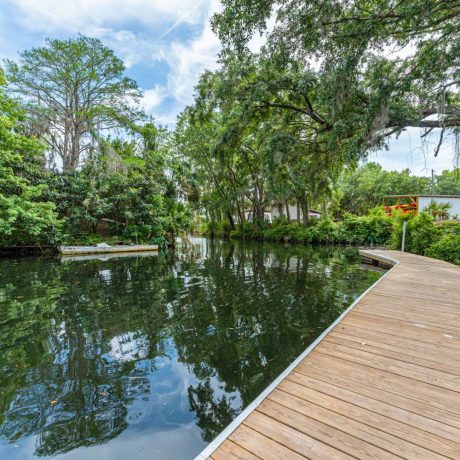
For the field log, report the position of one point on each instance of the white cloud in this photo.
(131, 47)
(84, 15)
(188, 60)
(258, 40)
(153, 98)
(136, 29)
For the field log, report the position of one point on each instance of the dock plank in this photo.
(279, 406)
(231, 451)
(383, 383)
(391, 352)
(358, 396)
(293, 439)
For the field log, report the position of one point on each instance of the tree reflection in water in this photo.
(156, 352)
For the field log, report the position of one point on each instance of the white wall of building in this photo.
(275, 211)
(424, 202)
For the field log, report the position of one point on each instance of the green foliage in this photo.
(447, 248)
(365, 187)
(361, 189)
(449, 227)
(87, 239)
(421, 233)
(448, 182)
(365, 94)
(447, 244)
(215, 229)
(247, 153)
(374, 229)
(26, 219)
(109, 188)
(247, 231)
(130, 186)
(283, 231)
(264, 130)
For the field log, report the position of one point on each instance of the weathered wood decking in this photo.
(383, 383)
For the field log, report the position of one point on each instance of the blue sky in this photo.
(166, 44)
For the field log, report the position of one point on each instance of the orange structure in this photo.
(408, 204)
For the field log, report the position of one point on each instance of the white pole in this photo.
(403, 236)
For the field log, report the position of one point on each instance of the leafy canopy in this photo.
(381, 66)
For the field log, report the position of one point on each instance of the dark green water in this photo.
(151, 357)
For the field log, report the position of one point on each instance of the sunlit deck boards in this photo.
(384, 383)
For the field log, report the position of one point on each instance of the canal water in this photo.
(150, 357)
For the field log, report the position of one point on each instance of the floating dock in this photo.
(106, 257)
(382, 382)
(80, 250)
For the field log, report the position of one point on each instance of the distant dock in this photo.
(82, 250)
(382, 382)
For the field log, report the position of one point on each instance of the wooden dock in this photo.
(382, 383)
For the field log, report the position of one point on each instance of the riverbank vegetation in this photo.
(424, 235)
(288, 127)
(80, 162)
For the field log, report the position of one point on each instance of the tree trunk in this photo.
(240, 208)
(75, 153)
(305, 210)
(231, 220)
(288, 212)
(259, 211)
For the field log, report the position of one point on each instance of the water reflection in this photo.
(155, 354)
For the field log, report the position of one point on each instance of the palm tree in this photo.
(439, 211)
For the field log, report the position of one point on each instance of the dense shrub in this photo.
(421, 233)
(449, 227)
(26, 217)
(447, 248)
(215, 229)
(247, 231)
(374, 229)
(293, 232)
(370, 230)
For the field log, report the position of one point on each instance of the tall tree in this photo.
(381, 66)
(252, 151)
(73, 89)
